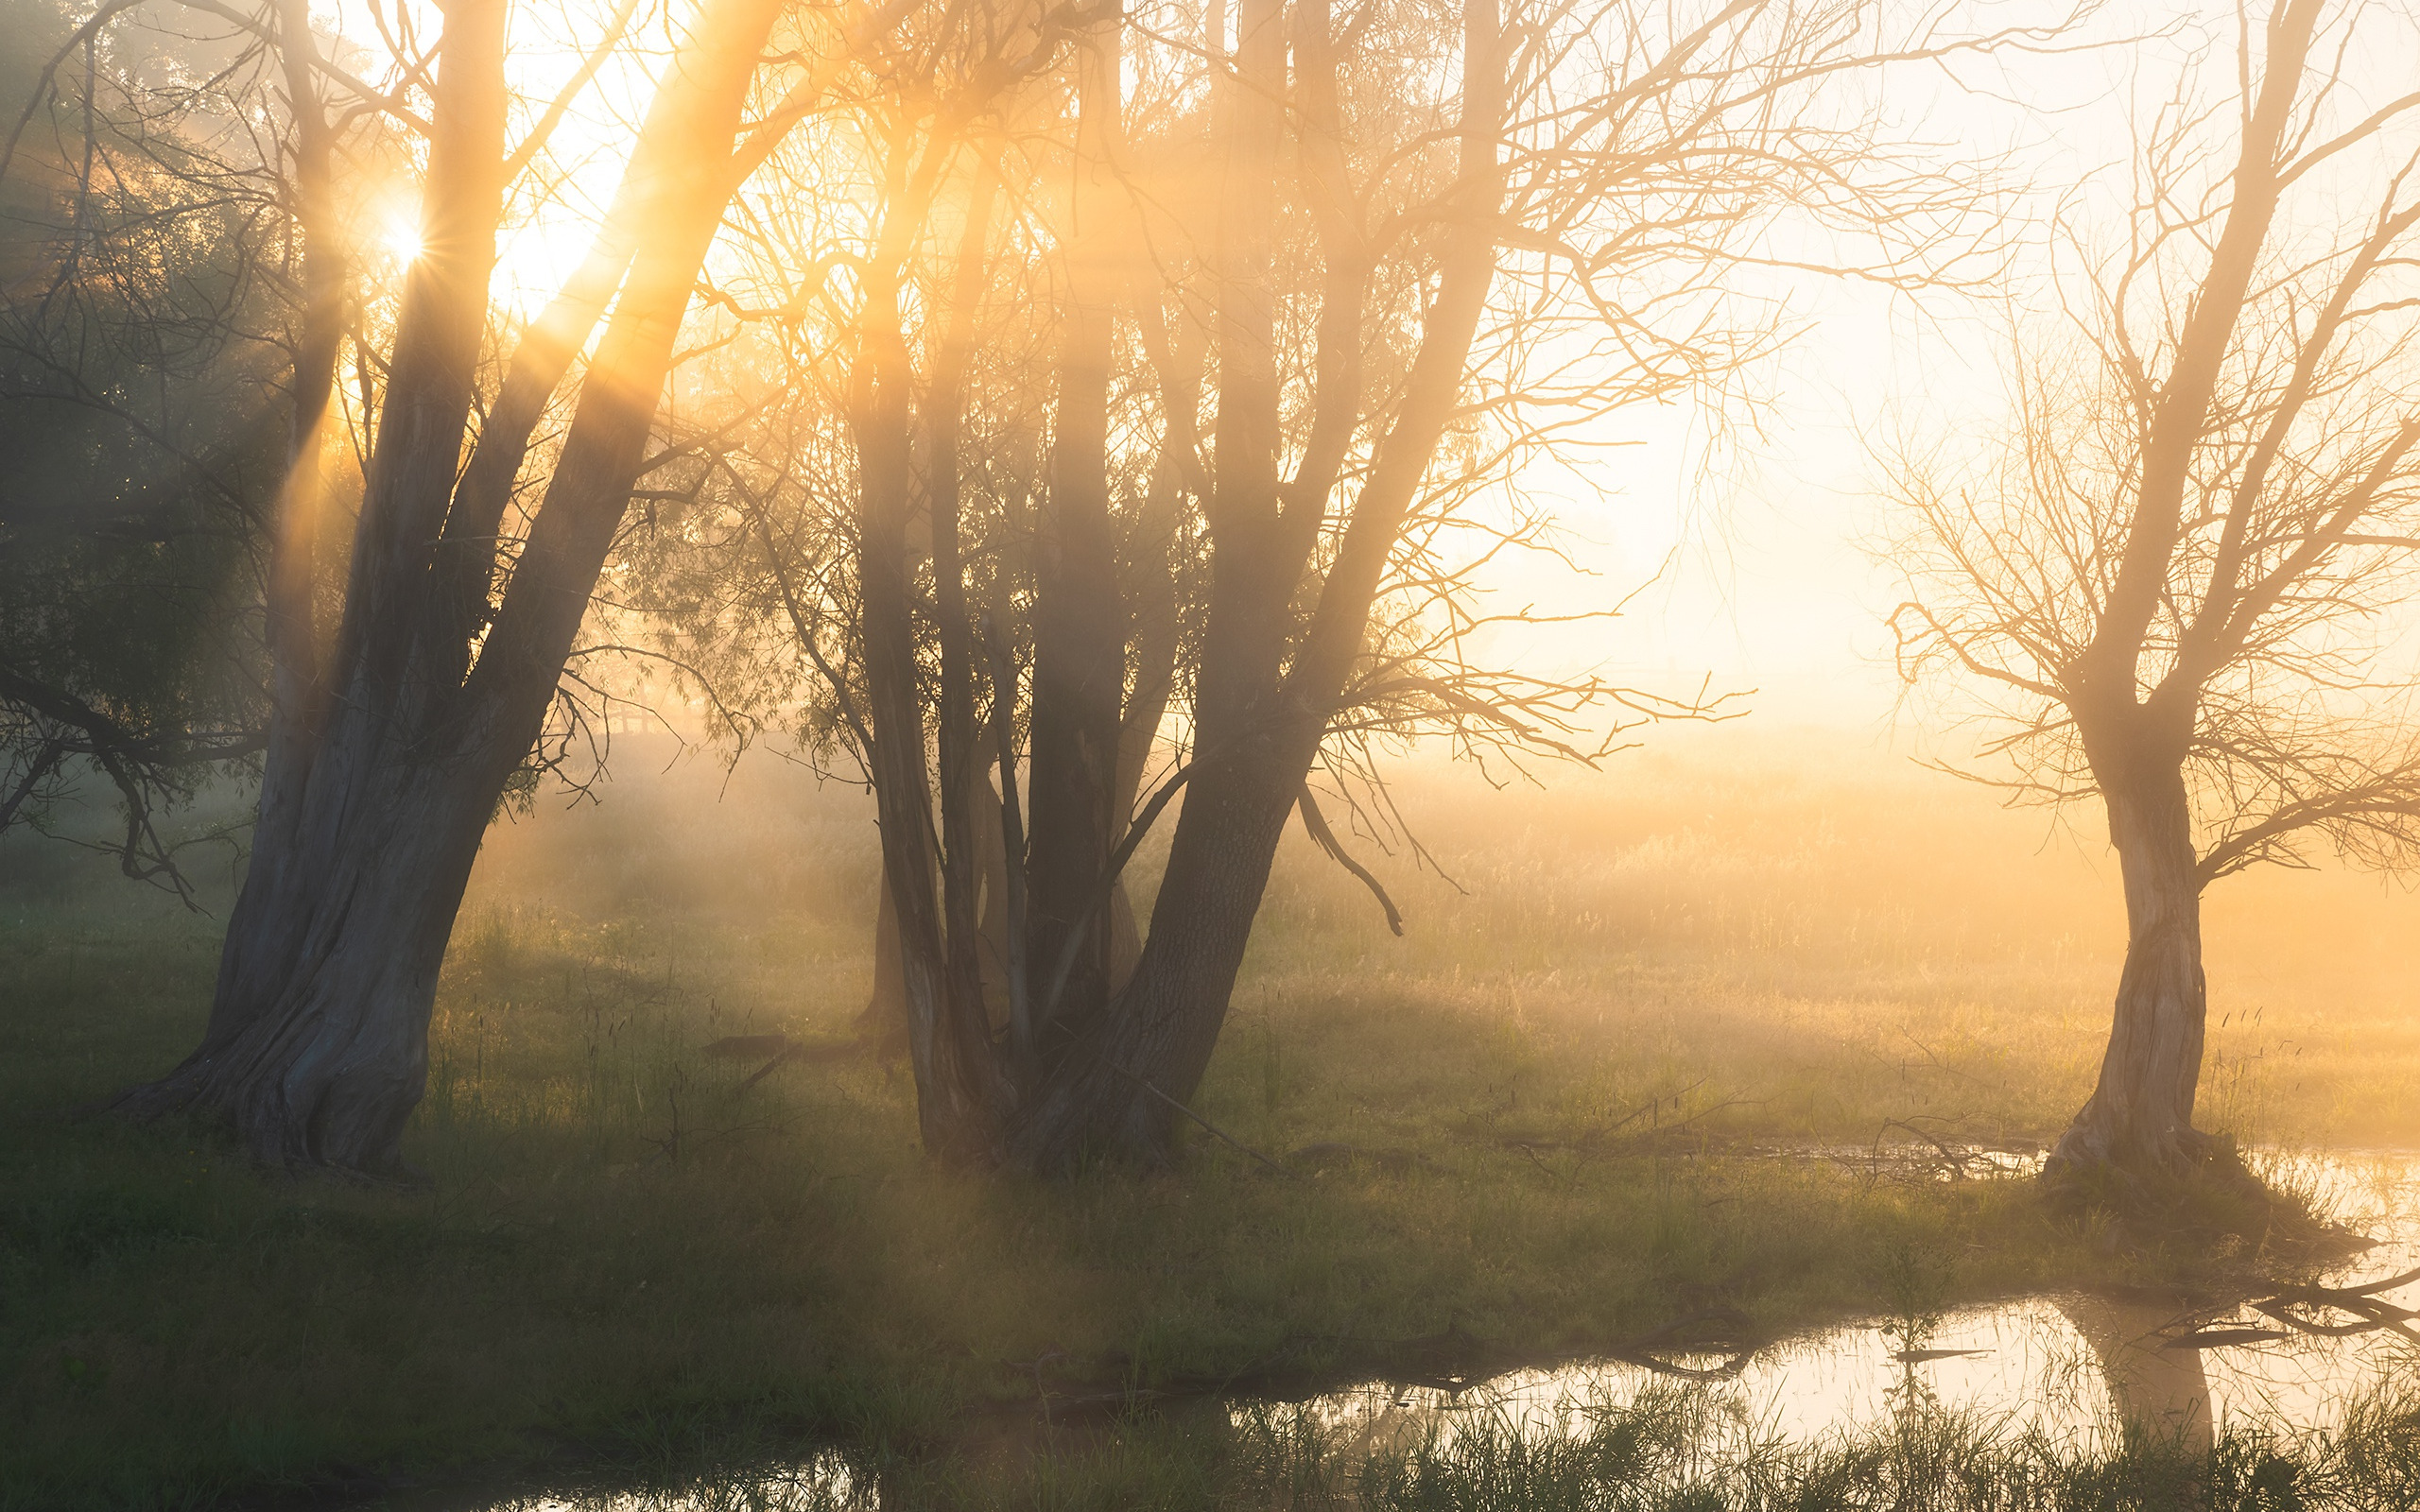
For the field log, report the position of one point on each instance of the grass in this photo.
(1571, 1077)
(1665, 1450)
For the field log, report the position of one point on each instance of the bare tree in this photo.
(2174, 573)
(1590, 179)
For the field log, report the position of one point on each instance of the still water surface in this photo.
(2070, 1365)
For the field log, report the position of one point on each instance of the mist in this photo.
(1253, 755)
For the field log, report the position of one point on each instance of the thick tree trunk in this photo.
(1111, 1096)
(318, 1044)
(2140, 1117)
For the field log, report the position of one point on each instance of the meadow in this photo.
(1694, 1042)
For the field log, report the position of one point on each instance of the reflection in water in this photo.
(2075, 1368)
(2164, 1390)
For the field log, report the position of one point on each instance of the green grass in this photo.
(1668, 1450)
(1574, 1073)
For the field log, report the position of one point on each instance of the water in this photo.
(2074, 1365)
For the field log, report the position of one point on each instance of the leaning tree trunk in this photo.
(317, 1049)
(1113, 1097)
(316, 1045)
(2139, 1120)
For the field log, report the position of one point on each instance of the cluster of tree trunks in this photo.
(1096, 1041)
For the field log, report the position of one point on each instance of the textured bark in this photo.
(2140, 1115)
(318, 1044)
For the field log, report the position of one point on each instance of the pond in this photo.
(2070, 1369)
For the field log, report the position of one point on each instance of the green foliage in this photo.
(144, 425)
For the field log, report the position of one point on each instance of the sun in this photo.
(399, 233)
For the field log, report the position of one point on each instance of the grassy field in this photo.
(1626, 1067)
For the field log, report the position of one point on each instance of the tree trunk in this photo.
(884, 1018)
(2140, 1117)
(318, 1046)
(317, 1049)
(1152, 617)
(1079, 634)
(1258, 730)
(949, 1040)
(992, 873)
(1110, 1096)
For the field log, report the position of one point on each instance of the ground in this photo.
(1677, 1039)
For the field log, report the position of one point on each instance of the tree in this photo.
(392, 739)
(2176, 568)
(1277, 303)
(1592, 181)
(141, 314)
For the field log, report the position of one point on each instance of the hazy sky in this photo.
(1770, 537)
(1766, 542)
(1775, 579)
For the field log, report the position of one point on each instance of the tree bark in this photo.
(2140, 1116)
(316, 1045)
(950, 1041)
(884, 1018)
(1169, 1018)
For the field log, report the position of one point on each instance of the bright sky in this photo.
(1774, 578)
(1769, 578)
